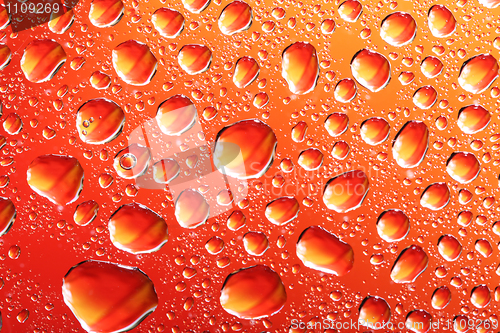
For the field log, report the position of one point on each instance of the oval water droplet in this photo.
(346, 191)
(323, 251)
(410, 144)
(371, 69)
(238, 296)
(410, 263)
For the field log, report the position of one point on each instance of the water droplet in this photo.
(393, 225)
(238, 157)
(478, 73)
(398, 29)
(168, 22)
(255, 243)
(336, 124)
(436, 196)
(194, 58)
(463, 167)
(441, 21)
(108, 297)
(57, 178)
(246, 71)
(449, 247)
(323, 251)
(346, 191)
(410, 144)
(371, 69)
(375, 130)
(132, 161)
(238, 296)
(235, 17)
(108, 121)
(135, 228)
(191, 209)
(374, 312)
(473, 119)
(106, 13)
(282, 210)
(300, 67)
(410, 263)
(86, 212)
(36, 66)
(176, 115)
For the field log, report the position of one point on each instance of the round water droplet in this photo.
(106, 13)
(483, 246)
(236, 220)
(336, 124)
(108, 297)
(463, 167)
(328, 26)
(393, 225)
(410, 144)
(406, 78)
(36, 65)
(235, 17)
(4, 17)
(57, 178)
(346, 191)
(255, 243)
(194, 58)
(441, 21)
(238, 296)
(398, 29)
(375, 130)
(323, 251)
(13, 124)
(176, 115)
(374, 312)
(418, 321)
(371, 69)
(135, 228)
(132, 161)
(100, 81)
(191, 209)
(473, 119)
(107, 123)
(441, 297)
(168, 22)
(300, 67)
(86, 212)
(350, 10)
(246, 71)
(410, 263)
(214, 245)
(436, 196)
(345, 91)
(282, 210)
(238, 157)
(425, 97)
(480, 296)
(134, 62)
(478, 73)
(449, 247)
(340, 150)
(431, 67)
(165, 171)
(311, 159)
